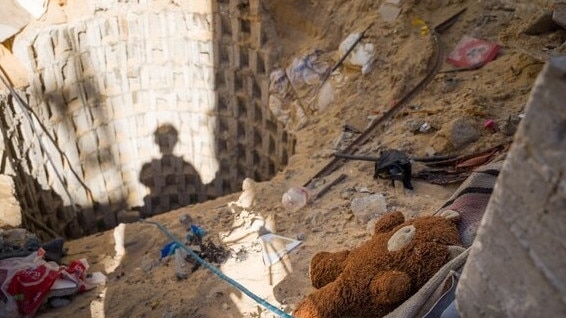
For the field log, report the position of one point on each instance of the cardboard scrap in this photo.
(274, 247)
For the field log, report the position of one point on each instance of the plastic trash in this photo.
(293, 89)
(424, 127)
(168, 249)
(307, 70)
(472, 52)
(181, 267)
(195, 235)
(278, 82)
(325, 96)
(26, 282)
(274, 247)
(295, 198)
(186, 220)
(368, 207)
(362, 55)
(279, 99)
(96, 279)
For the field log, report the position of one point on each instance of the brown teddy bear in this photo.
(376, 277)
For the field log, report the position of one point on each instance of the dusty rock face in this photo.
(517, 266)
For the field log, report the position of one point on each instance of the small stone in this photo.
(424, 127)
(365, 208)
(370, 228)
(363, 190)
(430, 151)
(181, 276)
(345, 195)
(15, 235)
(436, 124)
(186, 220)
(128, 216)
(541, 23)
(559, 14)
(154, 304)
(389, 12)
(301, 236)
(440, 143)
(462, 133)
(449, 85)
(136, 276)
(414, 125)
(509, 127)
(57, 302)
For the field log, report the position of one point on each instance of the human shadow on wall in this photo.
(173, 182)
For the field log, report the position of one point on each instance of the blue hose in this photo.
(215, 270)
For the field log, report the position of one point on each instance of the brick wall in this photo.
(151, 107)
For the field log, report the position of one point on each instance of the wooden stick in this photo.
(41, 225)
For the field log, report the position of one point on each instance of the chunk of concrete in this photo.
(368, 207)
(517, 264)
(559, 14)
(462, 133)
(541, 23)
(389, 12)
(12, 19)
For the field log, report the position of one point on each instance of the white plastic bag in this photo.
(362, 55)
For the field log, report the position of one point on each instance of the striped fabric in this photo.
(471, 198)
(470, 201)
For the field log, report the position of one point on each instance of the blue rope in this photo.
(220, 274)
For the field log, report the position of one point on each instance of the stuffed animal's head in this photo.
(407, 234)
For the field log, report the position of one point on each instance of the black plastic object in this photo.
(394, 165)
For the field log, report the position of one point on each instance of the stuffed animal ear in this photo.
(451, 215)
(388, 221)
(401, 238)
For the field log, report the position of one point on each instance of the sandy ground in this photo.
(140, 285)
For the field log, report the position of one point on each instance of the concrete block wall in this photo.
(151, 107)
(517, 264)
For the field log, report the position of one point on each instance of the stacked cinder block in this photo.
(242, 66)
(112, 87)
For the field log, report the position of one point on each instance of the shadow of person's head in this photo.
(166, 137)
